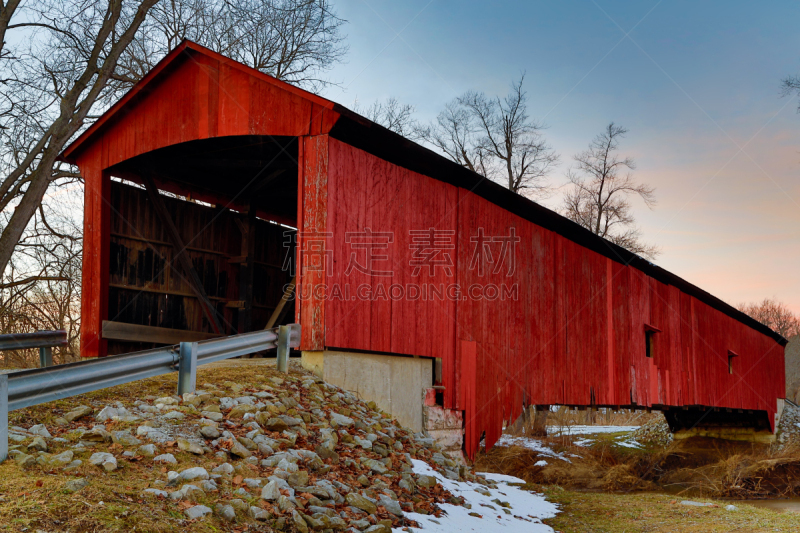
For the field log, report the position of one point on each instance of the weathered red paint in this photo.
(574, 334)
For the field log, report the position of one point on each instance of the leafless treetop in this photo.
(601, 186)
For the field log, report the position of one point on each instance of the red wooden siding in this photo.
(313, 184)
(575, 335)
(94, 275)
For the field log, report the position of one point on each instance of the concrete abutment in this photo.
(399, 385)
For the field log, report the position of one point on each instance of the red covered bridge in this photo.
(196, 179)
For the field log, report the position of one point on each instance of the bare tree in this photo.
(392, 115)
(455, 133)
(49, 91)
(791, 85)
(496, 138)
(601, 187)
(773, 314)
(42, 283)
(293, 40)
(511, 137)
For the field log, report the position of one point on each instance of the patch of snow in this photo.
(629, 443)
(527, 509)
(531, 444)
(585, 443)
(587, 430)
(540, 463)
(501, 478)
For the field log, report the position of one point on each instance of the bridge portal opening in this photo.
(202, 239)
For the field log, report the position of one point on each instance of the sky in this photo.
(697, 84)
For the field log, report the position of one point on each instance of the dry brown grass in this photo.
(564, 417)
(706, 467)
(601, 467)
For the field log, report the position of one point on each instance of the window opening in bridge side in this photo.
(649, 339)
(731, 355)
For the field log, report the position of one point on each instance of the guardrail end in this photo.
(284, 338)
(3, 417)
(187, 368)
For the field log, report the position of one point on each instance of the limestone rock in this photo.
(60, 460)
(97, 434)
(257, 513)
(24, 460)
(226, 512)
(240, 451)
(40, 430)
(342, 420)
(78, 412)
(74, 485)
(124, 438)
(189, 446)
(360, 502)
(153, 434)
(148, 450)
(211, 415)
(106, 413)
(326, 453)
(105, 460)
(191, 474)
(209, 432)
(375, 465)
(155, 492)
(299, 522)
(393, 506)
(240, 410)
(38, 444)
(198, 511)
(275, 424)
(298, 479)
(271, 491)
(223, 469)
(426, 481)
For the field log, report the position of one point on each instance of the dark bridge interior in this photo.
(201, 241)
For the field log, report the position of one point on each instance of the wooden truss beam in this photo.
(179, 250)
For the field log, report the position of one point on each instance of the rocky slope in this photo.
(259, 452)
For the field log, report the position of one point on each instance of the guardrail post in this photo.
(45, 357)
(187, 368)
(283, 348)
(3, 417)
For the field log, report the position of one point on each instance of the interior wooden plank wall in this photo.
(147, 288)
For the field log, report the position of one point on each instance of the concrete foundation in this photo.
(445, 426)
(396, 384)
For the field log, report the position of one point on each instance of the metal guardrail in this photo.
(44, 340)
(41, 385)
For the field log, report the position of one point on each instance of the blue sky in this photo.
(696, 84)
